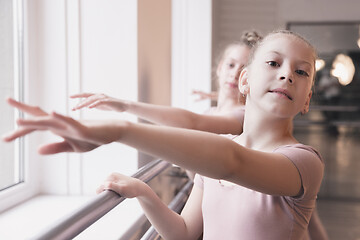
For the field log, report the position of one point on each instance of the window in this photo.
(11, 75)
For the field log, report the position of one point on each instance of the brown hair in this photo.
(250, 38)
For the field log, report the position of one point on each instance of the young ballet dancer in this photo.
(261, 184)
(227, 116)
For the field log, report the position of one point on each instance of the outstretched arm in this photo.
(169, 224)
(163, 115)
(213, 96)
(216, 157)
(205, 153)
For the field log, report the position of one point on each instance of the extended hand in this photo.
(205, 95)
(77, 136)
(100, 101)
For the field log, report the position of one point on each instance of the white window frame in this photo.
(191, 52)
(26, 188)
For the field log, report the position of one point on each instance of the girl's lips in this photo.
(283, 92)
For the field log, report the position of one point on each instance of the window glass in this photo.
(10, 85)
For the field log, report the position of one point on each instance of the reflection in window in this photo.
(11, 72)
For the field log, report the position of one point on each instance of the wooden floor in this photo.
(341, 218)
(339, 196)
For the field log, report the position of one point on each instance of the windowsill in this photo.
(31, 217)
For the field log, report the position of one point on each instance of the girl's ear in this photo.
(307, 104)
(244, 87)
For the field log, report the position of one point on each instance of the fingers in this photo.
(198, 92)
(16, 134)
(90, 99)
(36, 111)
(90, 103)
(100, 189)
(54, 148)
(97, 103)
(201, 95)
(199, 99)
(66, 120)
(54, 121)
(122, 188)
(118, 183)
(82, 95)
(41, 123)
(108, 185)
(33, 110)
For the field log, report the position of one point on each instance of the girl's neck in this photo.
(226, 103)
(265, 131)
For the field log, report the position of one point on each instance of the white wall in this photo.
(231, 18)
(318, 10)
(81, 46)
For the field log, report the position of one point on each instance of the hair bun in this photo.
(250, 38)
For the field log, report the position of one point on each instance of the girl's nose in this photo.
(288, 78)
(286, 72)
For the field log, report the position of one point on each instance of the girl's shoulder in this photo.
(310, 166)
(297, 148)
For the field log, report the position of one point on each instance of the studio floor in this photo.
(339, 196)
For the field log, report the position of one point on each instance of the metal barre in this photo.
(176, 205)
(70, 226)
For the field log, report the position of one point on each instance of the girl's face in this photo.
(280, 76)
(235, 58)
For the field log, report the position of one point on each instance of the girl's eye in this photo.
(273, 64)
(231, 65)
(302, 72)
